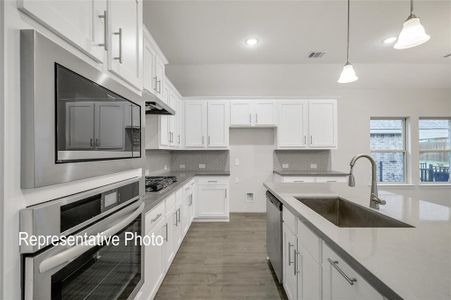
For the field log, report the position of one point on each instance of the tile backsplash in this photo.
(301, 159)
(157, 161)
(190, 160)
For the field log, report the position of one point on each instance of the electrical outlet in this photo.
(313, 166)
(285, 166)
(202, 166)
(182, 166)
(237, 161)
(165, 167)
(250, 197)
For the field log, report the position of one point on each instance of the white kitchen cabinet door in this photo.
(154, 259)
(187, 208)
(292, 127)
(264, 113)
(212, 201)
(309, 276)
(195, 123)
(81, 23)
(240, 113)
(179, 225)
(289, 263)
(149, 67)
(341, 282)
(125, 19)
(218, 124)
(164, 131)
(110, 120)
(322, 124)
(171, 120)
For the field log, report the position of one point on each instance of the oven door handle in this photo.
(74, 252)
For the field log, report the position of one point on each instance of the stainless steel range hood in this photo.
(155, 106)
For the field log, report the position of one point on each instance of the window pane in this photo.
(390, 166)
(434, 166)
(435, 134)
(387, 134)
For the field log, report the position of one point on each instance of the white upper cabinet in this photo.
(218, 124)
(264, 113)
(252, 113)
(154, 78)
(323, 124)
(206, 124)
(125, 20)
(195, 123)
(81, 23)
(292, 127)
(307, 124)
(240, 113)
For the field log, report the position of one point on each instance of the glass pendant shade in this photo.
(412, 34)
(348, 74)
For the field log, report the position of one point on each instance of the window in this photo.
(435, 149)
(388, 148)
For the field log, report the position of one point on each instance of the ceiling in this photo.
(212, 32)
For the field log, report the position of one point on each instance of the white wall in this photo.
(14, 197)
(355, 106)
(254, 149)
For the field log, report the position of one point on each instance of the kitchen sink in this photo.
(344, 213)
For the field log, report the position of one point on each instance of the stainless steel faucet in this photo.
(375, 201)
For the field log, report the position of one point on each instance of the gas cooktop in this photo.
(157, 183)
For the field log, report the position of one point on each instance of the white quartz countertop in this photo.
(414, 262)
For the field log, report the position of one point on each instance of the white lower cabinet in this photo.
(290, 282)
(312, 270)
(212, 199)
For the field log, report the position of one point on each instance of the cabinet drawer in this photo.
(153, 217)
(298, 179)
(340, 280)
(290, 220)
(331, 179)
(310, 241)
(170, 204)
(213, 180)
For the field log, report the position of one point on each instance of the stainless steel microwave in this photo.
(77, 121)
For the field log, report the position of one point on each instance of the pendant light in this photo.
(348, 73)
(412, 33)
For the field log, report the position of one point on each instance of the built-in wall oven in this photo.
(76, 120)
(100, 270)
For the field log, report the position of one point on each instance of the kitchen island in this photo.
(409, 263)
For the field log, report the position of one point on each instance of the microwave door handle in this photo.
(74, 252)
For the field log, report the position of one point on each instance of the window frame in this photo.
(448, 150)
(404, 151)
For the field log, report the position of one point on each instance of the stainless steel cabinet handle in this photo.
(167, 237)
(178, 215)
(334, 264)
(295, 261)
(91, 143)
(289, 254)
(159, 86)
(298, 181)
(179, 139)
(209, 140)
(119, 33)
(250, 118)
(305, 140)
(104, 16)
(212, 181)
(311, 140)
(156, 218)
(202, 140)
(256, 118)
(176, 219)
(225, 193)
(97, 143)
(155, 83)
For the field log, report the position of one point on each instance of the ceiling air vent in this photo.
(316, 54)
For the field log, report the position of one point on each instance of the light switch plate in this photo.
(202, 166)
(285, 166)
(237, 161)
(182, 166)
(313, 166)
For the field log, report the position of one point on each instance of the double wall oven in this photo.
(103, 270)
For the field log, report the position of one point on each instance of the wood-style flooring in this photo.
(223, 261)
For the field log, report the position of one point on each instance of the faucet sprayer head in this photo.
(351, 180)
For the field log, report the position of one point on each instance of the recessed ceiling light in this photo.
(251, 42)
(390, 40)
